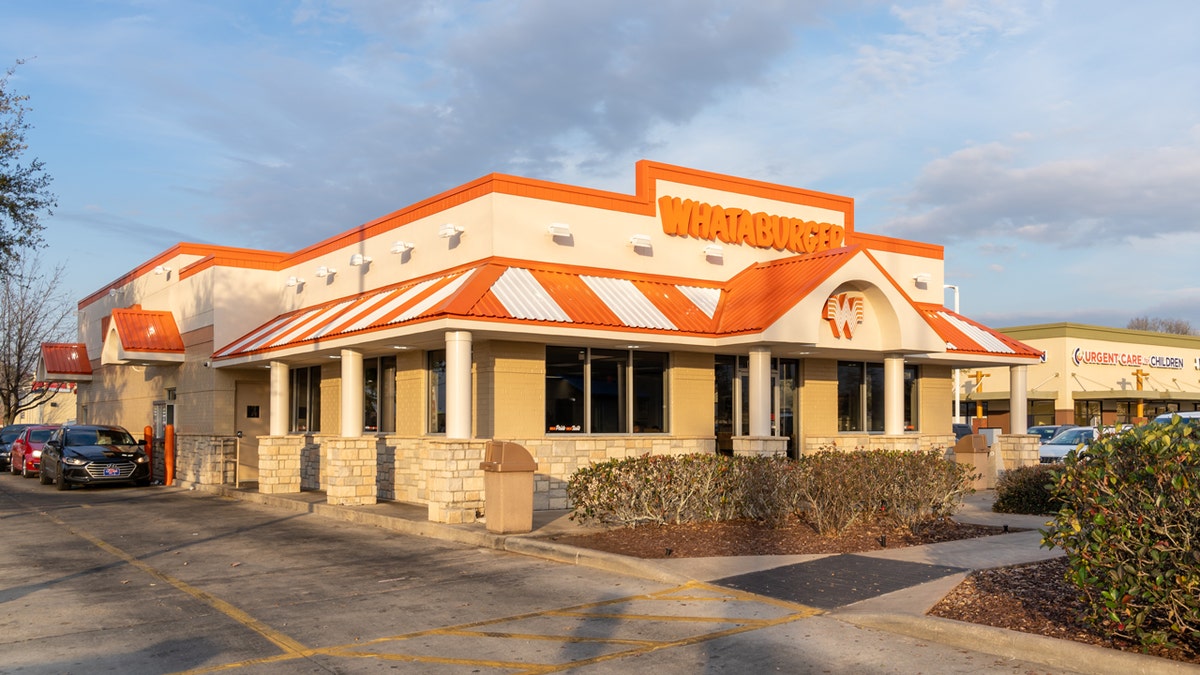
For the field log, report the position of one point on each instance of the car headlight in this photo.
(37, 454)
(141, 459)
(77, 461)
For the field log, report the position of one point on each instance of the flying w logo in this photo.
(844, 313)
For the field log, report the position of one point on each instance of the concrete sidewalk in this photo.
(889, 590)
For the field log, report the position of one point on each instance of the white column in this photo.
(760, 391)
(893, 395)
(279, 398)
(352, 394)
(1018, 400)
(458, 384)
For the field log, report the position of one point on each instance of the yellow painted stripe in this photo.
(280, 640)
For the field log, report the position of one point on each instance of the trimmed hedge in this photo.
(1026, 489)
(1130, 526)
(830, 490)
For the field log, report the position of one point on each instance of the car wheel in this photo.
(25, 472)
(12, 467)
(43, 477)
(61, 483)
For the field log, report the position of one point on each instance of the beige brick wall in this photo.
(936, 399)
(511, 394)
(410, 393)
(818, 399)
(691, 381)
(331, 398)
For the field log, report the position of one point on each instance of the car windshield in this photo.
(7, 436)
(40, 435)
(1045, 433)
(99, 437)
(1072, 437)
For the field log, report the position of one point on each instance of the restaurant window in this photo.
(379, 394)
(436, 364)
(305, 405)
(731, 409)
(605, 391)
(860, 396)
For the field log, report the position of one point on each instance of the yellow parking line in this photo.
(280, 640)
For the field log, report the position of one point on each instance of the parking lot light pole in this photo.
(957, 383)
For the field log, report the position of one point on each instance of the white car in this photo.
(1055, 449)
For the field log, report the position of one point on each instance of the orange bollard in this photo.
(169, 455)
(148, 438)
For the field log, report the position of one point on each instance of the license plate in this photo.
(112, 471)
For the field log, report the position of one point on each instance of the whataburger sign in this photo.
(687, 218)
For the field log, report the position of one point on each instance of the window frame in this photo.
(637, 402)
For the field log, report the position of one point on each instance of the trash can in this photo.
(508, 487)
(973, 450)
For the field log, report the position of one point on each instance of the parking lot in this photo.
(155, 580)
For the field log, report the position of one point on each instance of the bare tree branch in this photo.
(33, 310)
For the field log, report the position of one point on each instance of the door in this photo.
(251, 406)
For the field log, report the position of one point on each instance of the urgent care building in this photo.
(1091, 375)
(702, 313)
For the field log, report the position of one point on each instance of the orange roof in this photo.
(964, 336)
(524, 292)
(147, 331)
(65, 359)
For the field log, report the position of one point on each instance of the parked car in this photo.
(1191, 417)
(1045, 432)
(26, 456)
(1056, 449)
(7, 435)
(92, 454)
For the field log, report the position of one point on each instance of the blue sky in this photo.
(1053, 148)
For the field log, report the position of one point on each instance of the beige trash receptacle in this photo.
(973, 450)
(507, 487)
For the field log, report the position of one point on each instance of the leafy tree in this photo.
(1157, 325)
(24, 188)
(33, 310)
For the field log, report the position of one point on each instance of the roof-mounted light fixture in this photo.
(450, 230)
(559, 230)
(714, 252)
(359, 259)
(402, 246)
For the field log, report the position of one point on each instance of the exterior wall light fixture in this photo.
(714, 251)
(559, 230)
(402, 246)
(162, 269)
(450, 230)
(360, 259)
(294, 281)
(324, 271)
(640, 241)
(922, 278)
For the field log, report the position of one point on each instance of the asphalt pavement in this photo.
(889, 589)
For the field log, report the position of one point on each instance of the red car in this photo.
(27, 449)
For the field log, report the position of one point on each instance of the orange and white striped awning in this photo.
(521, 292)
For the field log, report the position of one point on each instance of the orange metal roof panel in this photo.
(759, 295)
(677, 307)
(578, 300)
(147, 331)
(66, 358)
(962, 335)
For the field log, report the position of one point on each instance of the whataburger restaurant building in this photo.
(703, 313)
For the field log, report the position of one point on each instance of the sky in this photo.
(1052, 148)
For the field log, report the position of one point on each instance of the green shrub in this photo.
(1130, 525)
(831, 490)
(1026, 489)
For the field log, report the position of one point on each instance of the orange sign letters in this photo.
(686, 218)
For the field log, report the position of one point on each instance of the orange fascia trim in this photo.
(877, 242)
(182, 248)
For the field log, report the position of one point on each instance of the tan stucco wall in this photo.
(331, 398)
(690, 387)
(410, 393)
